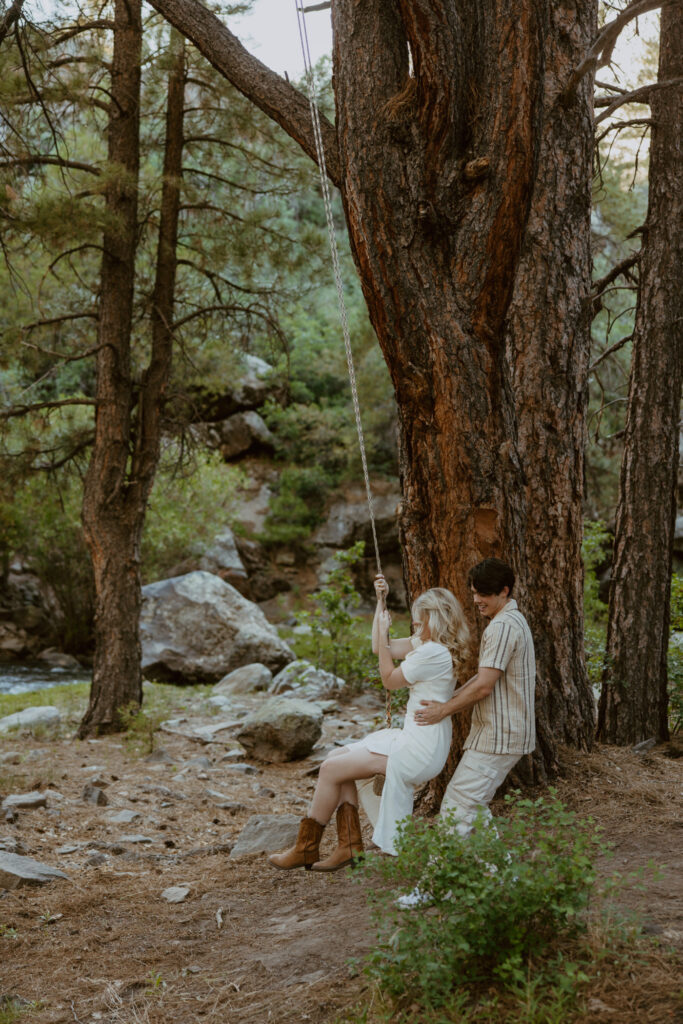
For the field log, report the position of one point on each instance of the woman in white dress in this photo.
(408, 757)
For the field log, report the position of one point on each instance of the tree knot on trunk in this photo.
(475, 170)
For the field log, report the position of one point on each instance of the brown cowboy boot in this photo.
(350, 841)
(305, 851)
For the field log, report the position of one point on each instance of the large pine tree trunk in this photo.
(466, 185)
(127, 439)
(467, 192)
(634, 700)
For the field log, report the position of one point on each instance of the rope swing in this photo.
(325, 188)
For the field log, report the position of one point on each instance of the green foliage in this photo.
(501, 897)
(593, 550)
(189, 505)
(675, 658)
(298, 505)
(339, 642)
(139, 727)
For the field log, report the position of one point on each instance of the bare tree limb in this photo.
(267, 90)
(636, 96)
(609, 351)
(57, 320)
(600, 52)
(617, 270)
(618, 126)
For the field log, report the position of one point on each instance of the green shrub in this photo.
(501, 897)
(298, 506)
(340, 641)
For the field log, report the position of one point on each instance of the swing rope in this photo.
(325, 188)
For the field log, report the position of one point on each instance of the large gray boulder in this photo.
(266, 833)
(303, 679)
(282, 729)
(196, 628)
(46, 715)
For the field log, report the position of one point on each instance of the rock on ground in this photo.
(30, 717)
(247, 679)
(16, 870)
(303, 679)
(282, 729)
(266, 833)
(197, 628)
(25, 801)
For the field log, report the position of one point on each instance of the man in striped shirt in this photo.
(501, 695)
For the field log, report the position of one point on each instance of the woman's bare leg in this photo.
(336, 772)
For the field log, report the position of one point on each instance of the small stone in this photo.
(135, 839)
(217, 797)
(25, 801)
(73, 848)
(243, 769)
(199, 762)
(11, 815)
(176, 893)
(94, 795)
(16, 870)
(10, 757)
(247, 679)
(95, 859)
(9, 844)
(645, 745)
(123, 817)
(159, 756)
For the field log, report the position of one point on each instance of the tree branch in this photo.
(600, 52)
(267, 90)
(622, 267)
(618, 126)
(30, 161)
(608, 351)
(636, 96)
(22, 410)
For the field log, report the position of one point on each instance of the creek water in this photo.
(24, 677)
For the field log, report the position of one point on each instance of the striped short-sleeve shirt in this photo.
(504, 722)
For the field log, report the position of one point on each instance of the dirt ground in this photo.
(250, 944)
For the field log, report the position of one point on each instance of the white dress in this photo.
(416, 753)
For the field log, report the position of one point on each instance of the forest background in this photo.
(252, 275)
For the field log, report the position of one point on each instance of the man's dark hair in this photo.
(490, 576)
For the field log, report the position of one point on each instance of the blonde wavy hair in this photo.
(442, 612)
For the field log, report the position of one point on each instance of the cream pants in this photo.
(473, 786)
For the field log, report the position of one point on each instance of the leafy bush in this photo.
(340, 642)
(501, 897)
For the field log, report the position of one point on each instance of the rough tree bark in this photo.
(128, 419)
(466, 185)
(634, 699)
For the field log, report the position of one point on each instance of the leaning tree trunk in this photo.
(634, 699)
(127, 441)
(466, 185)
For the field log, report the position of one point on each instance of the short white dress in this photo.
(416, 753)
